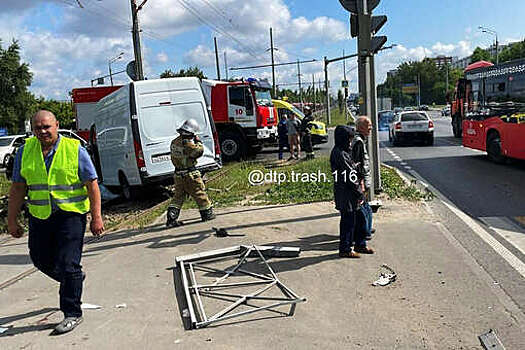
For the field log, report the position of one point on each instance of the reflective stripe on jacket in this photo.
(62, 182)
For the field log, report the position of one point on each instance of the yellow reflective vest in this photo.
(62, 182)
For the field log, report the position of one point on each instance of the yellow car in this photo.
(317, 129)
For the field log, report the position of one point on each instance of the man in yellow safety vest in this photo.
(61, 184)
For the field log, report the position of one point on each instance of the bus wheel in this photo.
(494, 148)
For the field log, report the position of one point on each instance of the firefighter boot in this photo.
(207, 214)
(173, 215)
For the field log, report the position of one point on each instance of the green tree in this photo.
(189, 72)
(63, 110)
(513, 52)
(15, 100)
(480, 55)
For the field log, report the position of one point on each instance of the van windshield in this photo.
(163, 121)
(5, 141)
(263, 97)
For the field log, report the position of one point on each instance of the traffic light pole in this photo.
(367, 93)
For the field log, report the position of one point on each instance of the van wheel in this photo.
(231, 146)
(494, 148)
(125, 189)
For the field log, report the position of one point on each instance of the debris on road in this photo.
(385, 278)
(87, 306)
(221, 232)
(249, 275)
(121, 306)
(2, 330)
(490, 340)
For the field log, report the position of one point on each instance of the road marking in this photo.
(516, 263)
(507, 230)
(404, 163)
(408, 167)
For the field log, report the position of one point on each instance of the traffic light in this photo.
(364, 25)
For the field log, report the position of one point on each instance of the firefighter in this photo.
(306, 133)
(185, 150)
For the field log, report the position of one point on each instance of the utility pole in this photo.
(313, 87)
(418, 90)
(299, 78)
(345, 88)
(326, 86)
(139, 73)
(446, 89)
(226, 65)
(273, 62)
(217, 59)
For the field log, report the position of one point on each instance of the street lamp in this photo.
(109, 65)
(492, 32)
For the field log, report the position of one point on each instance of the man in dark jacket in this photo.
(282, 131)
(347, 193)
(360, 156)
(306, 134)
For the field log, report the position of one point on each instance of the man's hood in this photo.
(342, 136)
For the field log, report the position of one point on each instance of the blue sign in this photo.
(3, 131)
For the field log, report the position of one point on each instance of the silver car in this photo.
(411, 126)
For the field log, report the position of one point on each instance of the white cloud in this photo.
(162, 57)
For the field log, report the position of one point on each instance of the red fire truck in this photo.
(488, 110)
(84, 105)
(243, 113)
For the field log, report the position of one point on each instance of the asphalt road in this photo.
(491, 194)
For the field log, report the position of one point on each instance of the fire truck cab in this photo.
(243, 113)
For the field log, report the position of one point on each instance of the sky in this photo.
(67, 45)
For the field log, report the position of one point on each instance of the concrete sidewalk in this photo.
(439, 300)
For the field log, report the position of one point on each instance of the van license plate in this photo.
(160, 158)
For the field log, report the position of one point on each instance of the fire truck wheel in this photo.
(494, 148)
(231, 146)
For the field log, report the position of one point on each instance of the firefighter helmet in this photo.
(190, 126)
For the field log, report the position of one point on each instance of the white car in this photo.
(7, 145)
(411, 126)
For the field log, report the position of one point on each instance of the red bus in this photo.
(488, 110)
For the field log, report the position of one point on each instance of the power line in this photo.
(195, 13)
(276, 64)
(220, 12)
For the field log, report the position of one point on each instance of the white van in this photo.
(136, 124)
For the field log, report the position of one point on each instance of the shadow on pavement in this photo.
(4, 321)
(173, 240)
(15, 259)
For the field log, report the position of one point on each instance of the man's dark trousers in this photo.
(346, 231)
(55, 247)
